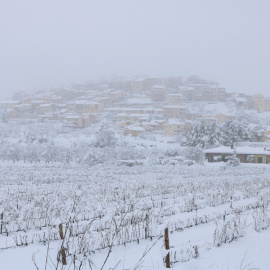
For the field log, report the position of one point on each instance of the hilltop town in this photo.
(164, 106)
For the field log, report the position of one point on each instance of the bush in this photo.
(195, 154)
(217, 158)
(232, 160)
(105, 138)
(250, 158)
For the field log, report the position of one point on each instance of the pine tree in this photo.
(198, 135)
(235, 131)
(215, 134)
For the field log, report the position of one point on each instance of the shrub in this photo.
(232, 160)
(195, 154)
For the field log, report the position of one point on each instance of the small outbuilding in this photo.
(246, 152)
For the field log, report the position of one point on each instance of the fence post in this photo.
(167, 247)
(2, 217)
(64, 258)
(146, 226)
(168, 264)
(61, 231)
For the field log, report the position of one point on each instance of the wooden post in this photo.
(196, 251)
(64, 258)
(146, 226)
(145, 233)
(2, 217)
(166, 237)
(168, 264)
(61, 231)
(167, 247)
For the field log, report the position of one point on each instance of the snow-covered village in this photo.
(114, 155)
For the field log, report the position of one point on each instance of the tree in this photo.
(235, 131)
(105, 138)
(4, 116)
(198, 135)
(232, 160)
(214, 134)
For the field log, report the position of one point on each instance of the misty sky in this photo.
(55, 42)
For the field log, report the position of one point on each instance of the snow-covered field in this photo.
(113, 217)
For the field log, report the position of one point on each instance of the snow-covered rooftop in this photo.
(239, 150)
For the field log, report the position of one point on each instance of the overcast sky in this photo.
(54, 42)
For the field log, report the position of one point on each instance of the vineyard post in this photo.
(2, 216)
(61, 231)
(167, 247)
(146, 226)
(64, 258)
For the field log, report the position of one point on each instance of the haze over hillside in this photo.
(48, 43)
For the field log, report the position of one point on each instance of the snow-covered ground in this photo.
(217, 217)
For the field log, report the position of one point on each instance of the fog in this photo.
(47, 43)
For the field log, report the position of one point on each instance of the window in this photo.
(260, 160)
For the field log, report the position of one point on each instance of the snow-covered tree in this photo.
(232, 160)
(105, 138)
(4, 116)
(235, 131)
(198, 135)
(195, 154)
(215, 134)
